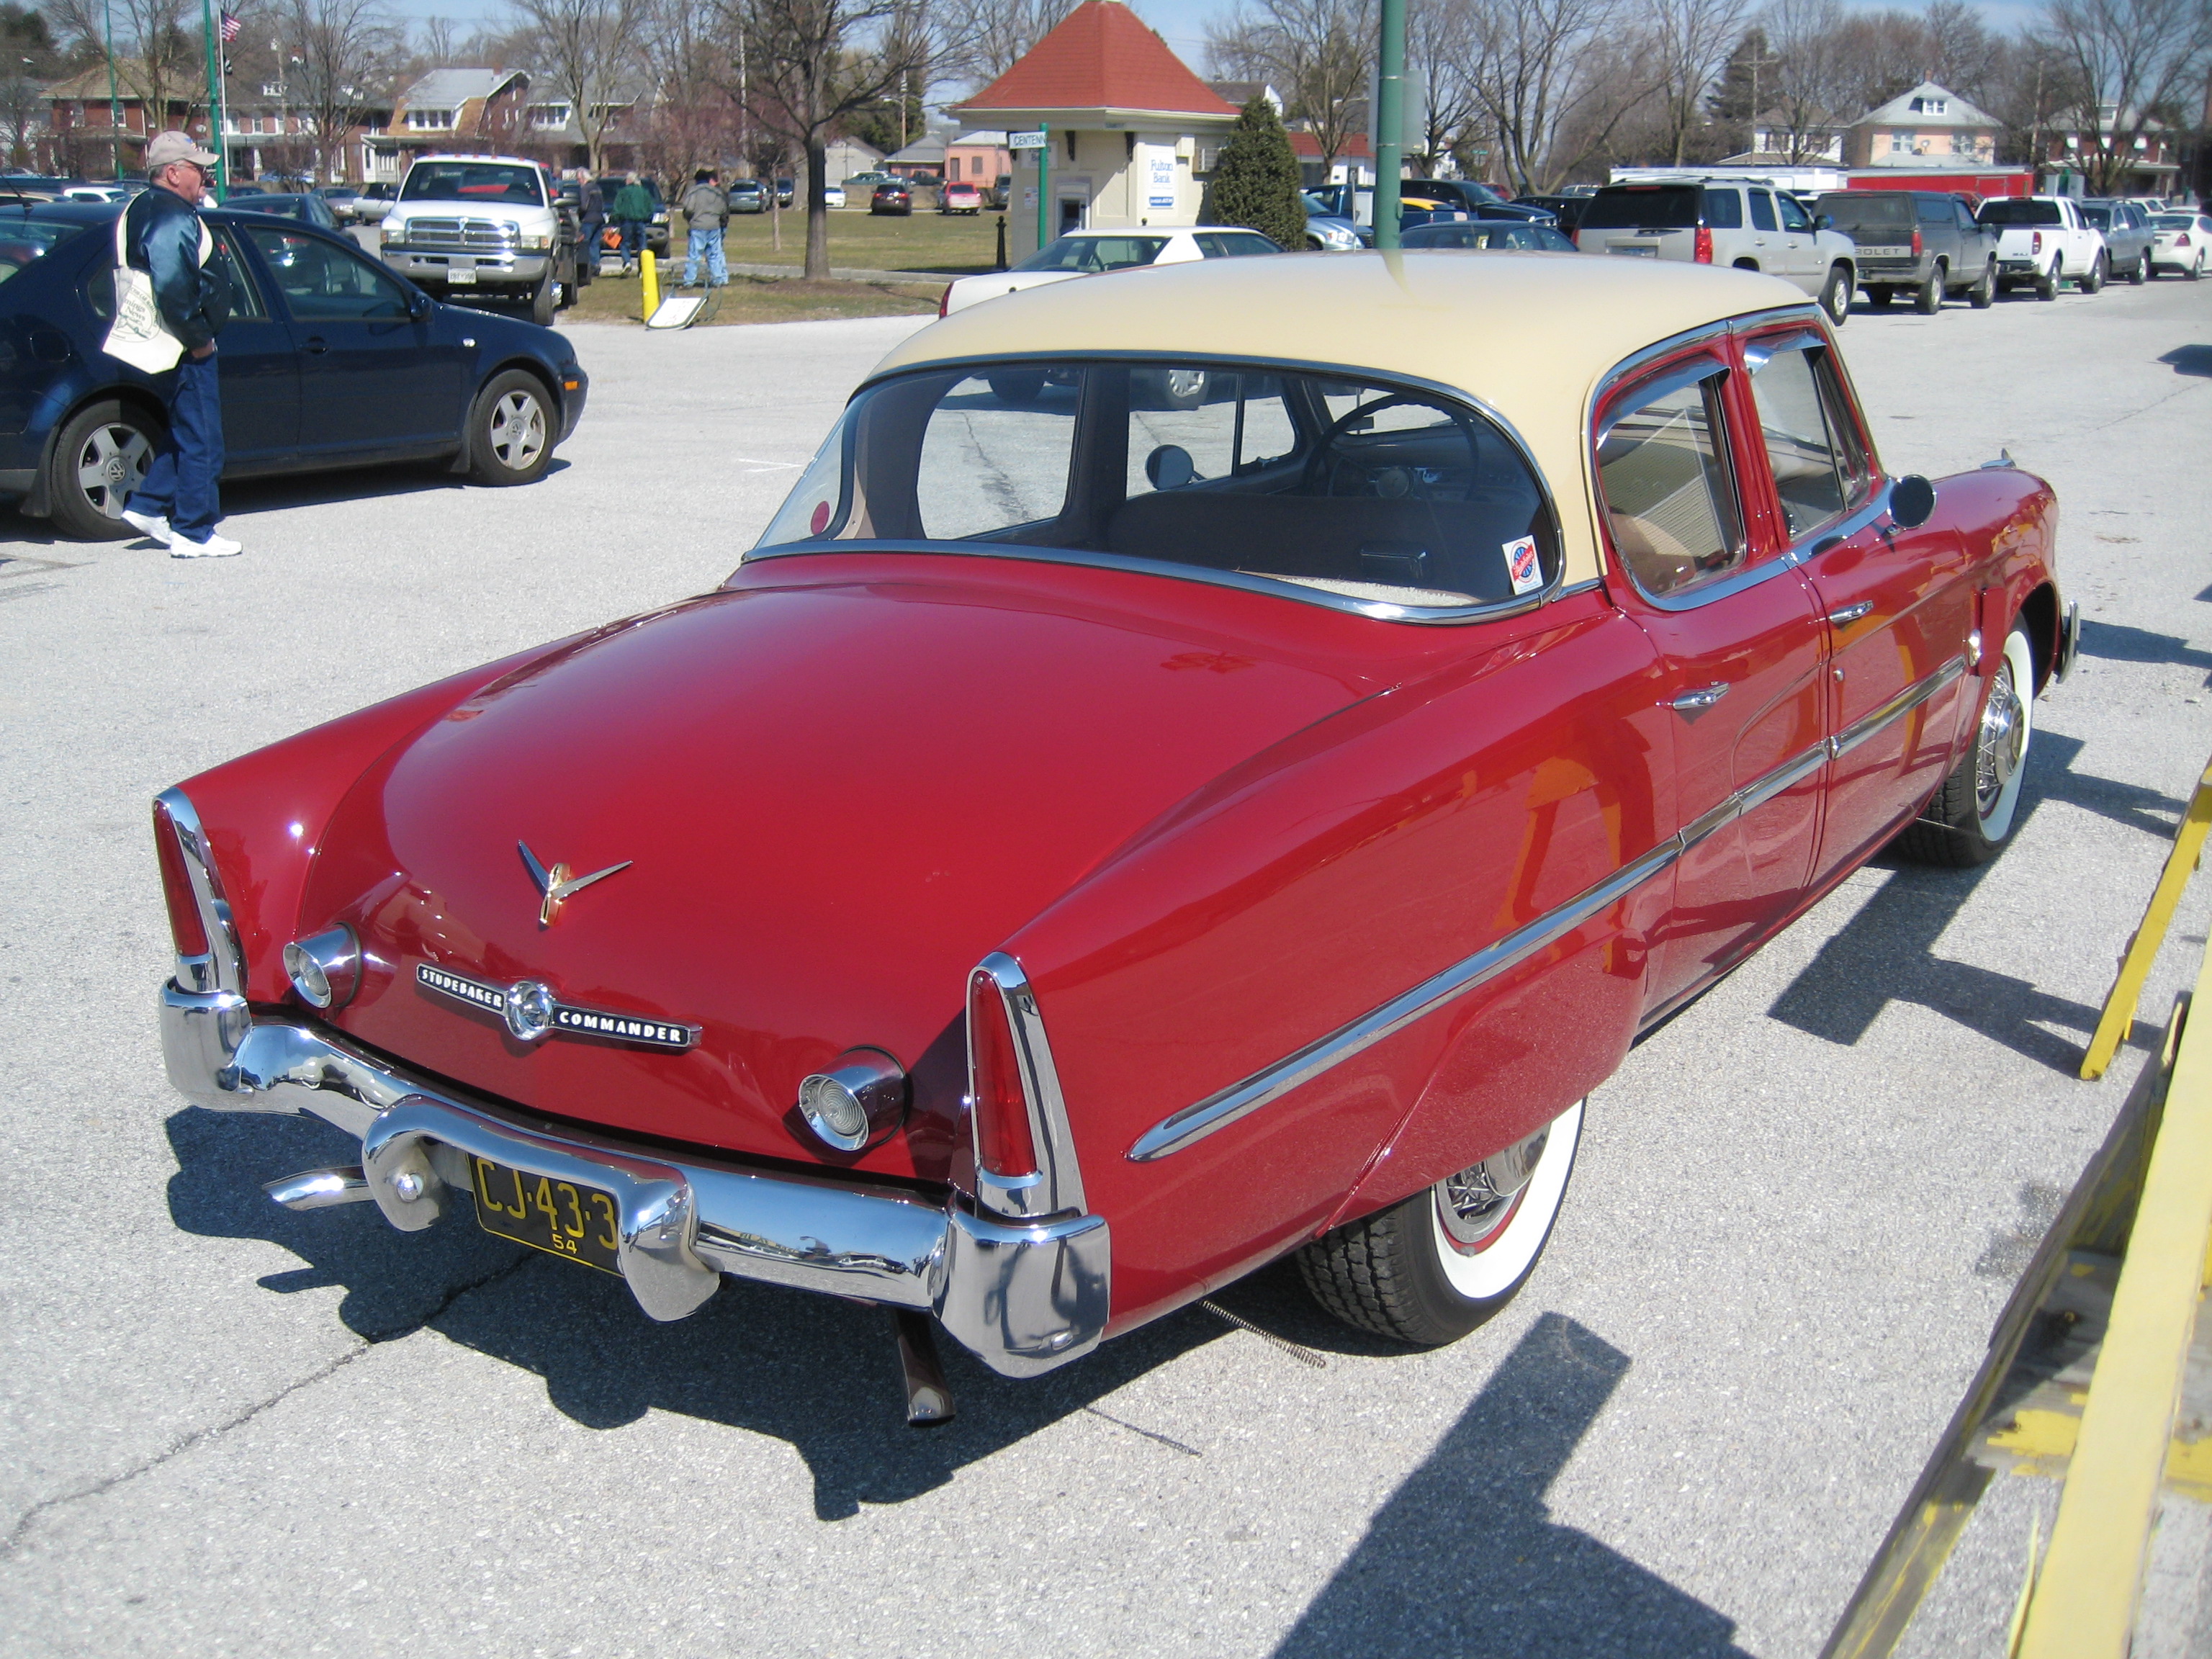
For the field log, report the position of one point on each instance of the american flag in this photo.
(230, 27)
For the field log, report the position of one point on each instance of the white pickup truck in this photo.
(2044, 240)
(488, 225)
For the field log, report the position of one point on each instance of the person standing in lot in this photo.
(177, 501)
(706, 212)
(633, 207)
(591, 218)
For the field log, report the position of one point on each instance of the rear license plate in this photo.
(460, 276)
(557, 1216)
(1637, 249)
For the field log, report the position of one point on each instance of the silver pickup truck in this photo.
(1920, 242)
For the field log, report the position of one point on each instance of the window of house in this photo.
(549, 115)
(1670, 500)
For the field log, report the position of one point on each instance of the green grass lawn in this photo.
(927, 240)
(763, 298)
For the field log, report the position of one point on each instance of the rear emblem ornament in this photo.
(555, 885)
(531, 1011)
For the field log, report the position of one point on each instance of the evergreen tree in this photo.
(1256, 182)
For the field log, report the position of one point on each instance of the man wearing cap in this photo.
(163, 236)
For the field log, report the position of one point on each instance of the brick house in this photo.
(453, 109)
(1929, 123)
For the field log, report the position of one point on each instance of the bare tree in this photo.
(1440, 56)
(160, 56)
(2133, 62)
(1688, 41)
(1545, 78)
(433, 42)
(809, 64)
(694, 122)
(979, 40)
(1319, 54)
(588, 51)
(1963, 54)
(339, 57)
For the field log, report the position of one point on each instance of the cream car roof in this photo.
(1528, 334)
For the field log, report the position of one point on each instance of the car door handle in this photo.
(1697, 701)
(315, 345)
(1851, 613)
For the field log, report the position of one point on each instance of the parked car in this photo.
(1721, 221)
(1329, 231)
(960, 198)
(329, 360)
(2043, 240)
(1921, 242)
(1496, 235)
(484, 225)
(309, 208)
(1089, 252)
(1567, 210)
(748, 196)
(656, 228)
(833, 196)
(2128, 236)
(861, 184)
(1372, 752)
(375, 201)
(1478, 201)
(95, 193)
(339, 199)
(2181, 242)
(892, 196)
(783, 188)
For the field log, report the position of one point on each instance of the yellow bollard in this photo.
(649, 286)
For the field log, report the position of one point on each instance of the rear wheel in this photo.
(1984, 293)
(2139, 273)
(1927, 298)
(100, 458)
(2046, 283)
(2197, 267)
(2094, 278)
(1433, 1267)
(1835, 297)
(511, 430)
(1972, 816)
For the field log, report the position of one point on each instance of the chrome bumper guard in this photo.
(1024, 1297)
(2069, 643)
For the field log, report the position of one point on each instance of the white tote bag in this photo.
(138, 335)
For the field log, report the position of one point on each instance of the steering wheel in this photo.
(1319, 476)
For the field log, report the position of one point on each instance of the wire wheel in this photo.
(111, 463)
(1999, 744)
(518, 431)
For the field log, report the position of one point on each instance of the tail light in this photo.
(1916, 245)
(2035, 244)
(186, 927)
(1005, 1144)
(1702, 250)
(2182, 240)
(944, 299)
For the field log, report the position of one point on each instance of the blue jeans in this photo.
(180, 484)
(706, 240)
(633, 232)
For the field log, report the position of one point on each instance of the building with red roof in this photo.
(1131, 129)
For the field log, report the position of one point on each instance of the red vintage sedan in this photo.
(1150, 803)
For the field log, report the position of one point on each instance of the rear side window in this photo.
(1370, 492)
(1933, 209)
(1670, 504)
(1643, 206)
(1723, 210)
(1820, 472)
(1854, 211)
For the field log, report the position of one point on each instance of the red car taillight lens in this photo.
(2182, 240)
(1916, 245)
(1004, 1144)
(1702, 249)
(185, 926)
(944, 299)
(2036, 245)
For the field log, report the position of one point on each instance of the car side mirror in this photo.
(1911, 501)
(1824, 221)
(418, 304)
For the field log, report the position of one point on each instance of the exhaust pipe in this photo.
(320, 1189)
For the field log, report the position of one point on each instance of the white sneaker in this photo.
(215, 547)
(152, 524)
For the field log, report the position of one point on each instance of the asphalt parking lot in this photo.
(1796, 1211)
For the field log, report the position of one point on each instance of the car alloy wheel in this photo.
(2197, 268)
(512, 432)
(111, 463)
(1984, 293)
(2046, 284)
(1835, 297)
(518, 431)
(99, 457)
(2095, 277)
(2140, 274)
(1928, 299)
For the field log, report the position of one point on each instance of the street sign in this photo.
(1027, 140)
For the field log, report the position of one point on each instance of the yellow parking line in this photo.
(2135, 966)
(2085, 1596)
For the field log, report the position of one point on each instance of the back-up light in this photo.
(1702, 249)
(186, 927)
(1005, 1145)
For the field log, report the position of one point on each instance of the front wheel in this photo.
(1972, 816)
(1835, 297)
(1433, 1267)
(100, 458)
(511, 430)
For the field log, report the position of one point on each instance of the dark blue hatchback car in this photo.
(330, 361)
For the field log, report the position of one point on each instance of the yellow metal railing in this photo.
(2135, 964)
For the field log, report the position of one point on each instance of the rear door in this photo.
(373, 379)
(259, 367)
(1742, 643)
(1894, 603)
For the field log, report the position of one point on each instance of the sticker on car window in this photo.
(1523, 566)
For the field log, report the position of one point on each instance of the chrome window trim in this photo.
(1057, 1187)
(1812, 545)
(1695, 372)
(224, 968)
(1271, 1083)
(1374, 609)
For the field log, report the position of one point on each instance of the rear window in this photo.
(1852, 210)
(1643, 206)
(2101, 218)
(2173, 221)
(26, 238)
(2019, 210)
(1352, 489)
(1094, 253)
(472, 181)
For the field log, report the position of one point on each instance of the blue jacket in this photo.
(162, 237)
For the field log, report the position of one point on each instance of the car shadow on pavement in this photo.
(1887, 952)
(1465, 1558)
(816, 1372)
(2116, 642)
(2189, 360)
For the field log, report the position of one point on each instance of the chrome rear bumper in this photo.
(1024, 1297)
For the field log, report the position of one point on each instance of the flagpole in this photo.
(214, 100)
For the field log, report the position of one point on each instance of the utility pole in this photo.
(1389, 123)
(114, 104)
